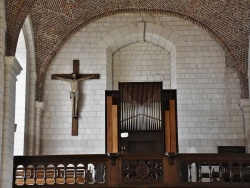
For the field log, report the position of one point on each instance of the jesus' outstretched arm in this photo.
(64, 79)
(86, 78)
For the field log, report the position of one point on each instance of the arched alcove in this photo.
(141, 62)
(141, 32)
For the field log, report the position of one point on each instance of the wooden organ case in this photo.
(141, 117)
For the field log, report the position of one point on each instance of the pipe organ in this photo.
(141, 118)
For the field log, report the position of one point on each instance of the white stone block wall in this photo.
(208, 91)
(57, 119)
(141, 62)
(208, 97)
(245, 106)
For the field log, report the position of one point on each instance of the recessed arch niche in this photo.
(138, 33)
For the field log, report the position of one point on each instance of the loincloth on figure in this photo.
(74, 94)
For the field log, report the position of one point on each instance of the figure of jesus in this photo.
(74, 94)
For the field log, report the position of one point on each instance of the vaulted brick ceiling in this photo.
(54, 21)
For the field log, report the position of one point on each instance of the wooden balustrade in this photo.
(60, 170)
(133, 170)
(215, 169)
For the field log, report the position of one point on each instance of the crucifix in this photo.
(74, 80)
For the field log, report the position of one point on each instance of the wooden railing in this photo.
(133, 170)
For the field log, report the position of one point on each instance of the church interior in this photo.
(124, 93)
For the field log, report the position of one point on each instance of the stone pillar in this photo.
(2, 54)
(39, 109)
(1, 106)
(29, 134)
(245, 106)
(12, 69)
(249, 65)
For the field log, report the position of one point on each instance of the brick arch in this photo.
(238, 56)
(16, 13)
(226, 21)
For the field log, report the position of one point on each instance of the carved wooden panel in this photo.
(142, 171)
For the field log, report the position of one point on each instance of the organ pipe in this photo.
(141, 106)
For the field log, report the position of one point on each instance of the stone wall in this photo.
(141, 62)
(208, 90)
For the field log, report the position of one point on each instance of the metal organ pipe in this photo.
(141, 107)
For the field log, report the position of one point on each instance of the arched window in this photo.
(21, 56)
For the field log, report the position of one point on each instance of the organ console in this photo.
(141, 117)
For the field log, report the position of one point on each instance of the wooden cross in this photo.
(74, 81)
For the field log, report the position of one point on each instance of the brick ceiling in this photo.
(54, 21)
